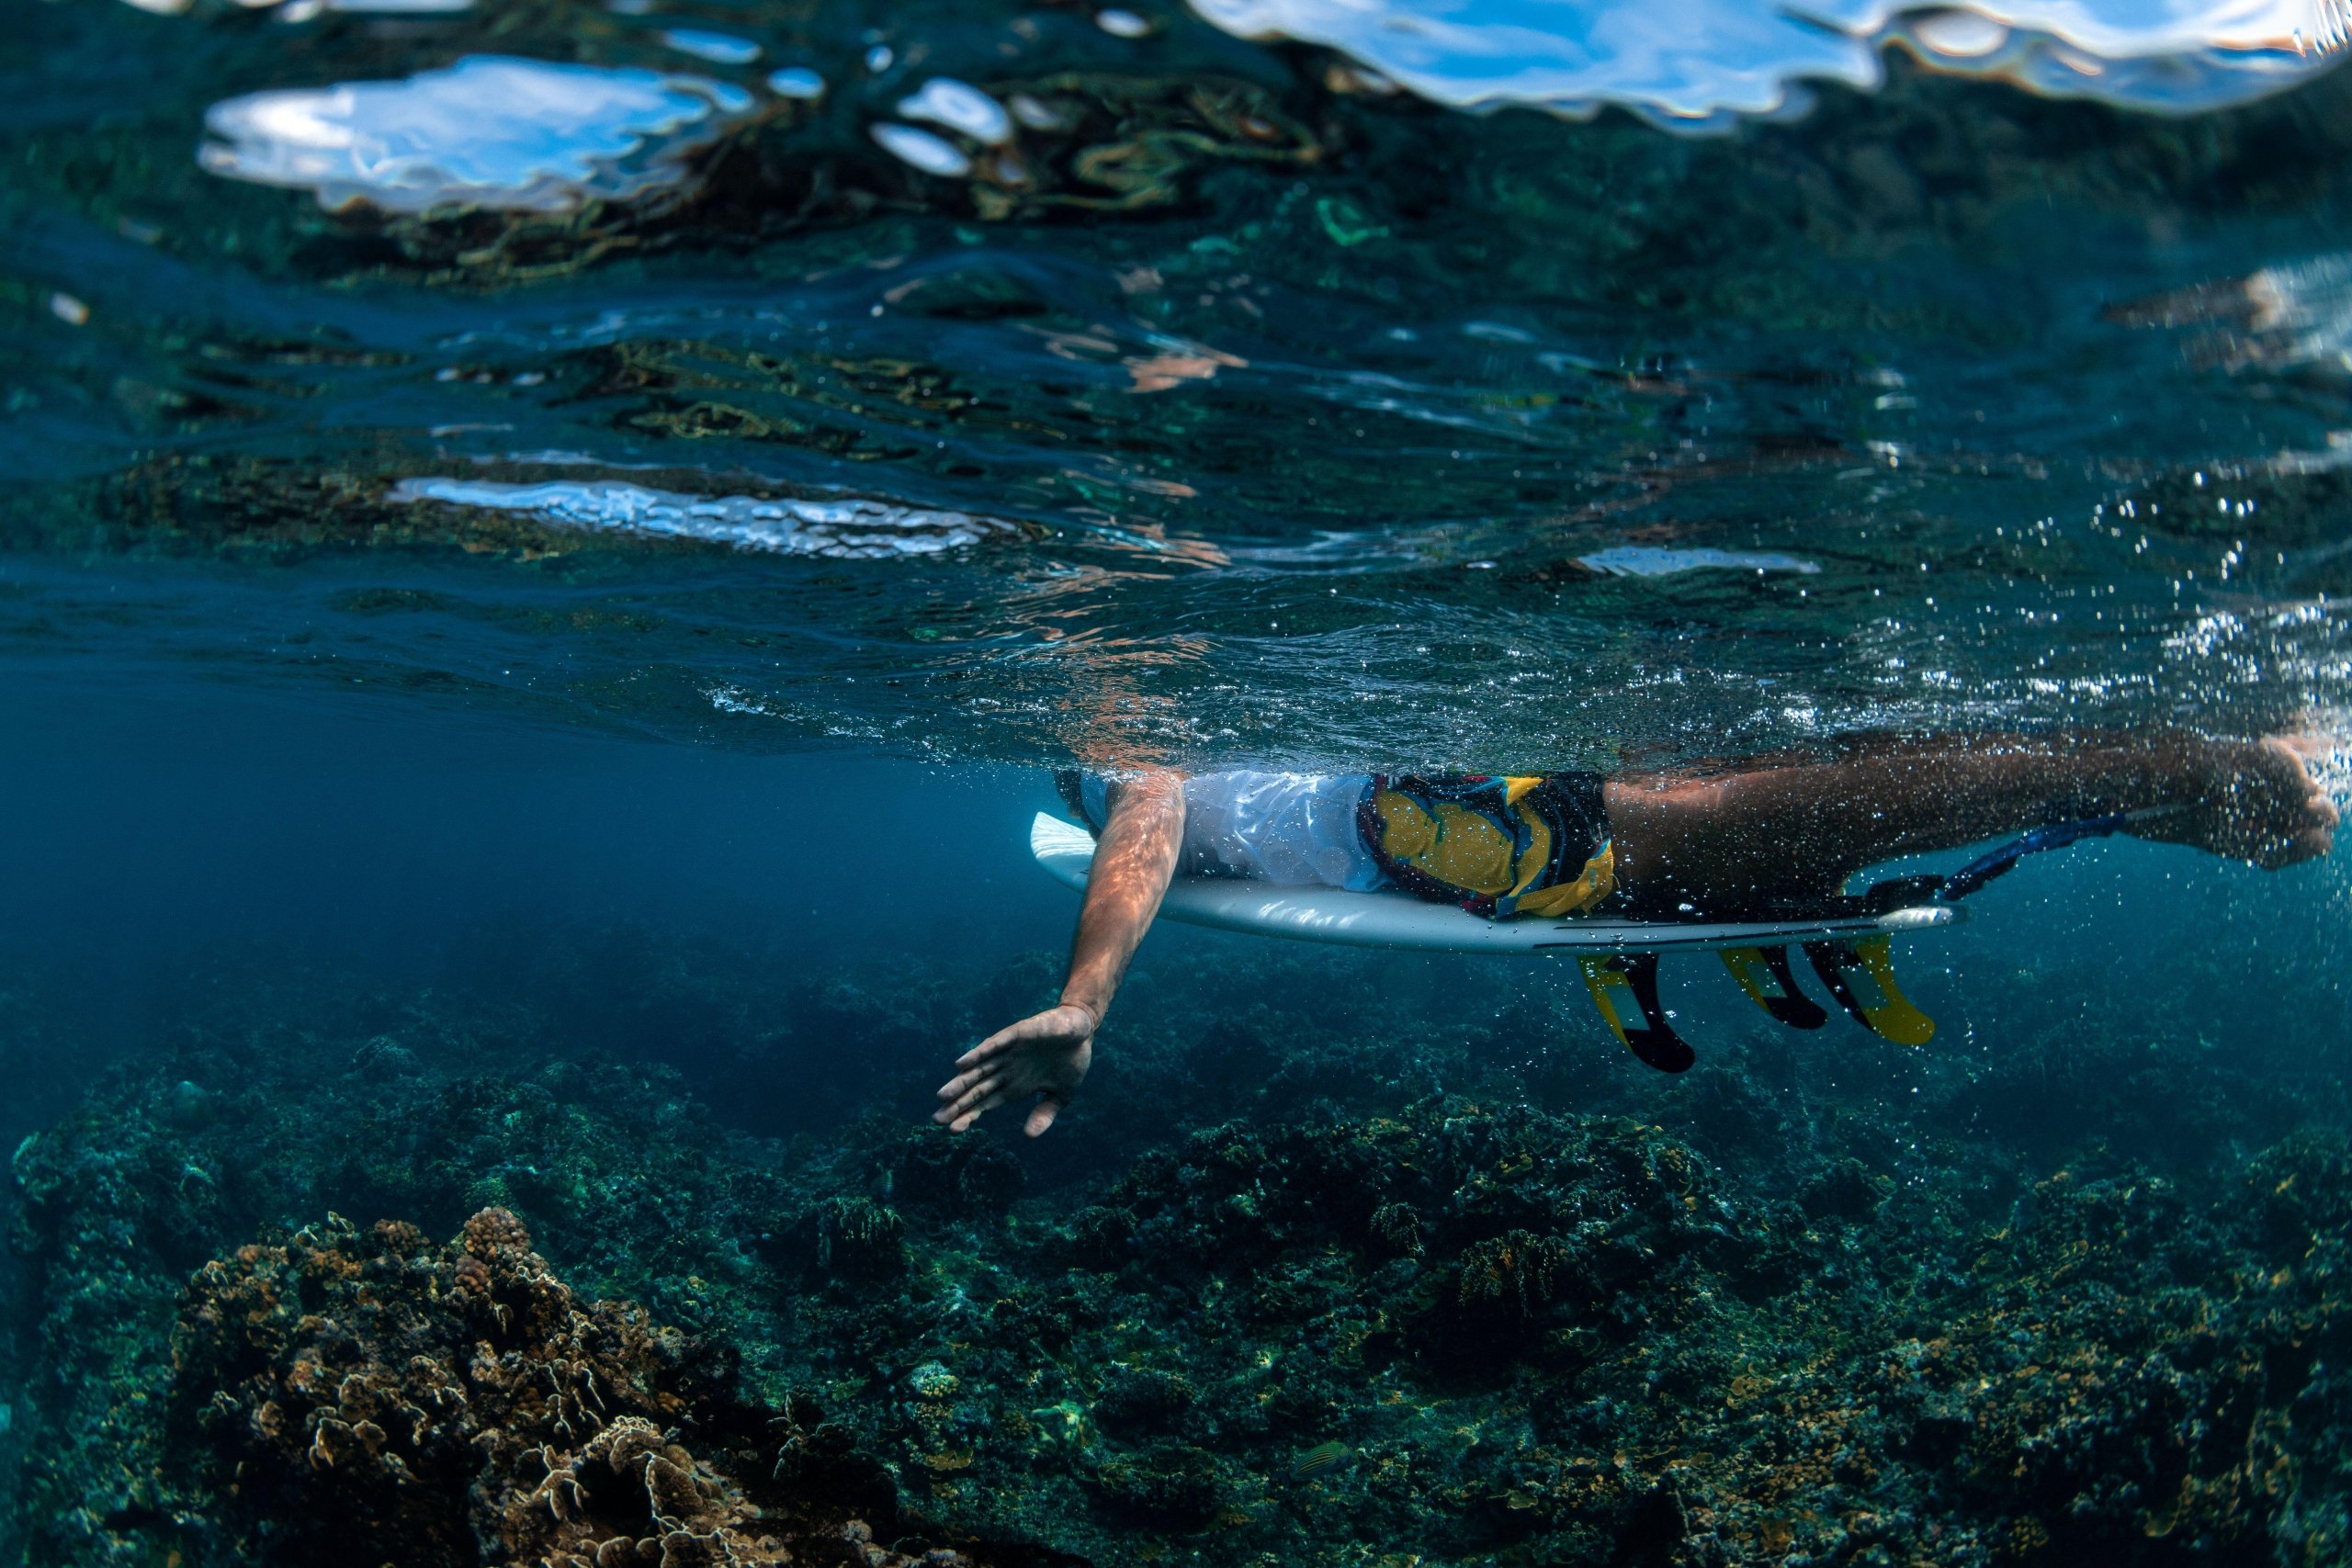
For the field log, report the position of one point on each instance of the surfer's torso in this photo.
(1293, 830)
(1495, 846)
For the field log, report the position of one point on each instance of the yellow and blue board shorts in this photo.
(1535, 844)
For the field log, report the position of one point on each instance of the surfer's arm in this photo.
(1133, 864)
(1048, 1053)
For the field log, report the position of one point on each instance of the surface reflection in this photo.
(488, 133)
(1697, 63)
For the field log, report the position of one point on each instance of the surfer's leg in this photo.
(1791, 827)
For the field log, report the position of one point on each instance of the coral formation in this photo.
(458, 1405)
(1795, 1326)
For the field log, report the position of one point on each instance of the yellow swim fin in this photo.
(1763, 973)
(1860, 974)
(1625, 986)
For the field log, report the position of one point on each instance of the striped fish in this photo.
(1318, 1459)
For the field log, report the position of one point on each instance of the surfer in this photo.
(1767, 833)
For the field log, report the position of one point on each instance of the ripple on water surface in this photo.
(1220, 398)
(1700, 61)
(849, 528)
(489, 133)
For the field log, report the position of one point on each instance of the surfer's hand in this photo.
(1045, 1055)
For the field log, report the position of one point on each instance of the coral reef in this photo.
(380, 1396)
(1764, 1320)
(1608, 1352)
(119, 1204)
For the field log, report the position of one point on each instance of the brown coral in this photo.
(380, 1399)
(628, 1497)
(1517, 1266)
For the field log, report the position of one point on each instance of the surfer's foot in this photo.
(2260, 803)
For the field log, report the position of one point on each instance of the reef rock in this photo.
(377, 1398)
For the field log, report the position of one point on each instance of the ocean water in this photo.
(550, 551)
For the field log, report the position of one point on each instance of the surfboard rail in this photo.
(1066, 850)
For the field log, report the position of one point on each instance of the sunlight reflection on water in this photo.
(1699, 61)
(850, 529)
(489, 133)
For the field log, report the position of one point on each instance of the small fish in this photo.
(1318, 1459)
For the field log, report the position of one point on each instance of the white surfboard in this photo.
(1398, 919)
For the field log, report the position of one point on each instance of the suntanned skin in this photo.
(1772, 828)
(1048, 1053)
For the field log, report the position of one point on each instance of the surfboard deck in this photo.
(1397, 919)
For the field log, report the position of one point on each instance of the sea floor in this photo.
(1317, 1277)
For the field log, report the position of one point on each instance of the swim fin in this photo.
(1763, 973)
(1632, 978)
(1877, 1004)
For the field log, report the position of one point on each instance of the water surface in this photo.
(1232, 399)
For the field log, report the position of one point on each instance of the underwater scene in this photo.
(1016, 784)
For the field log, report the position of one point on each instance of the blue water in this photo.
(555, 546)
(1277, 443)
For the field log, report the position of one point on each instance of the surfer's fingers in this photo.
(976, 1096)
(1049, 1107)
(984, 1093)
(996, 1044)
(1003, 1079)
(958, 1118)
(955, 1086)
(1035, 1026)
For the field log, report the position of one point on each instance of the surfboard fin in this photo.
(1632, 978)
(1764, 974)
(1860, 974)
